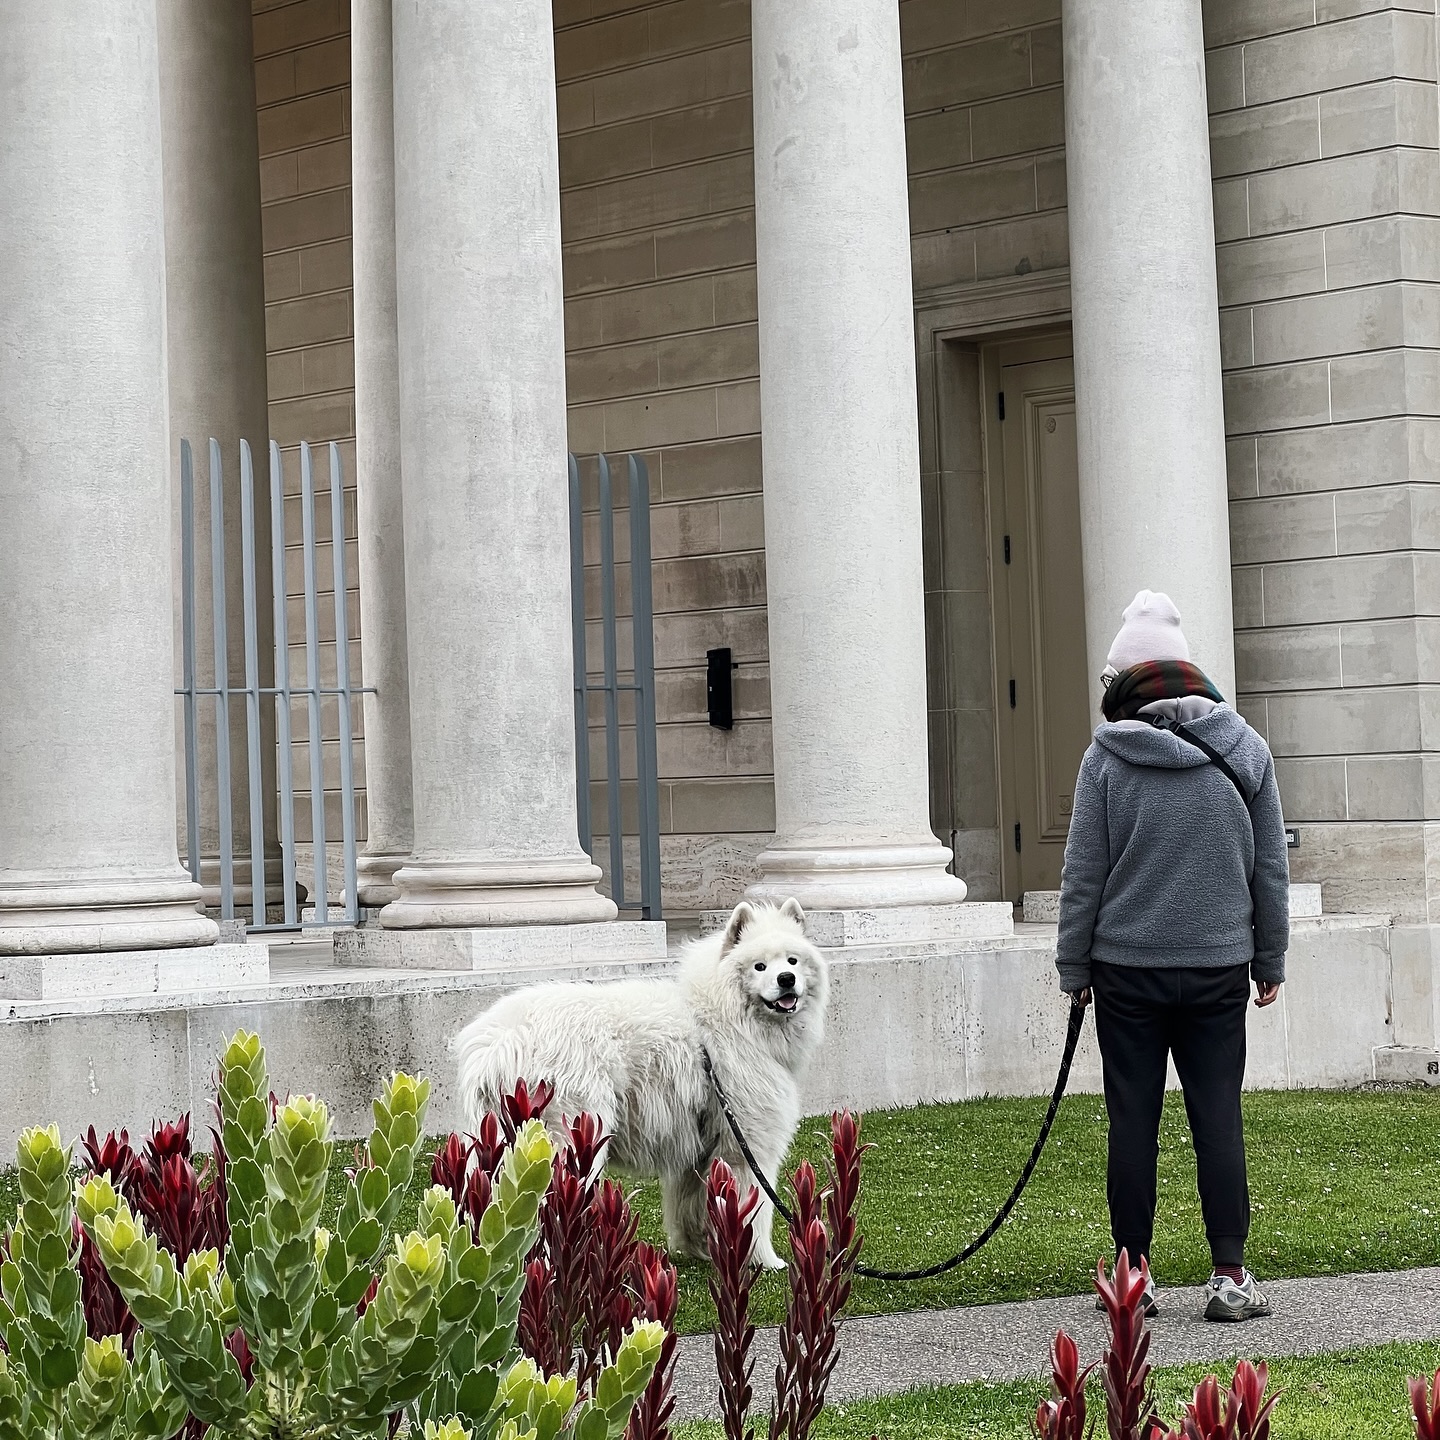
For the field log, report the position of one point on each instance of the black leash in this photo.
(1072, 1040)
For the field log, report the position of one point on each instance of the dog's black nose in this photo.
(786, 979)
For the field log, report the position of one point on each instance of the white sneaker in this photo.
(1227, 1301)
(1151, 1308)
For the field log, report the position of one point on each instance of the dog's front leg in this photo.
(762, 1252)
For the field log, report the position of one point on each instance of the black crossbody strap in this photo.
(1210, 753)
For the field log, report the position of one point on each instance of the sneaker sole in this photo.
(1225, 1315)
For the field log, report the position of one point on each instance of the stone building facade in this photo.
(1165, 278)
(1323, 141)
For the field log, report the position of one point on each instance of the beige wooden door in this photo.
(1042, 689)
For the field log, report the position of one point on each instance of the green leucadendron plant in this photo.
(55, 1382)
(435, 1340)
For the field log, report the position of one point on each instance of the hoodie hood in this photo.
(1143, 744)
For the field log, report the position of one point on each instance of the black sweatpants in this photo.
(1197, 1015)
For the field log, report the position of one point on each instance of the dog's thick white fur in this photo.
(631, 1053)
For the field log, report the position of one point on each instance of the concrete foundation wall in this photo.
(1327, 216)
(907, 1025)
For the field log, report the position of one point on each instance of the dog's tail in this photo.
(491, 1058)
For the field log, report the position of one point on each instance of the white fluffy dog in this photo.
(632, 1053)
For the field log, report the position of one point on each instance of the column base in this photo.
(460, 894)
(242, 889)
(858, 877)
(45, 913)
(503, 947)
(71, 976)
(376, 876)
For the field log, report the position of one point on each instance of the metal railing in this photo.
(283, 692)
(641, 683)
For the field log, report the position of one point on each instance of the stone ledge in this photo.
(1407, 1064)
(1042, 907)
(500, 947)
(936, 1023)
(132, 972)
(900, 924)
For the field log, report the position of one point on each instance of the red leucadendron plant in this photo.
(655, 1278)
(825, 1246)
(185, 1209)
(1062, 1417)
(1425, 1402)
(1240, 1413)
(729, 1238)
(588, 1277)
(1125, 1366)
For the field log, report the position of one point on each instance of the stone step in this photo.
(1407, 1064)
(896, 924)
(1043, 906)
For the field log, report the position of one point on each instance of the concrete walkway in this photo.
(887, 1354)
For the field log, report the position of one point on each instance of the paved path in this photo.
(886, 1354)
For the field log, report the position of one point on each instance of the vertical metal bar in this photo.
(252, 685)
(342, 683)
(642, 627)
(187, 632)
(577, 640)
(222, 679)
(612, 715)
(312, 683)
(282, 682)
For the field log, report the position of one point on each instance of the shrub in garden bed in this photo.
(1241, 1412)
(286, 1328)
(825, 1247)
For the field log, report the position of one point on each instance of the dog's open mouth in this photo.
(784, 1004)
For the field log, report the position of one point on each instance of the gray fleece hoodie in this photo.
(1163, 866)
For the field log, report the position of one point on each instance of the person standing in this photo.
(1175, 895)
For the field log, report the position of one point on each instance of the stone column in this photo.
(841, 455)
(390, 825)
(215, 312)
(87, 750)
(1150, 423)
(482, 421)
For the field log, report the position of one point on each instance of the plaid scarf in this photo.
(1131, 690)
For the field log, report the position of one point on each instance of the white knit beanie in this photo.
(1151, 631)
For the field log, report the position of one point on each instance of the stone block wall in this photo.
(302, 91)
(657, 204)
(1327, 213)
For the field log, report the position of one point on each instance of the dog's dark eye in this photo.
(759, 964)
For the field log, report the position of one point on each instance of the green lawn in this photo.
(1341, 1181)
(1330, 1397)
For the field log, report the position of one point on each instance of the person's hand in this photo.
(1266, 993)
(1083, 997)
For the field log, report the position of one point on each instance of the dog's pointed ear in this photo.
(741, 916)
(791, 910)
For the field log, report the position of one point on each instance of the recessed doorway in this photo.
(1042, 691)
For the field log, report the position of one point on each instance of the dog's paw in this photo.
(767, 1262)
